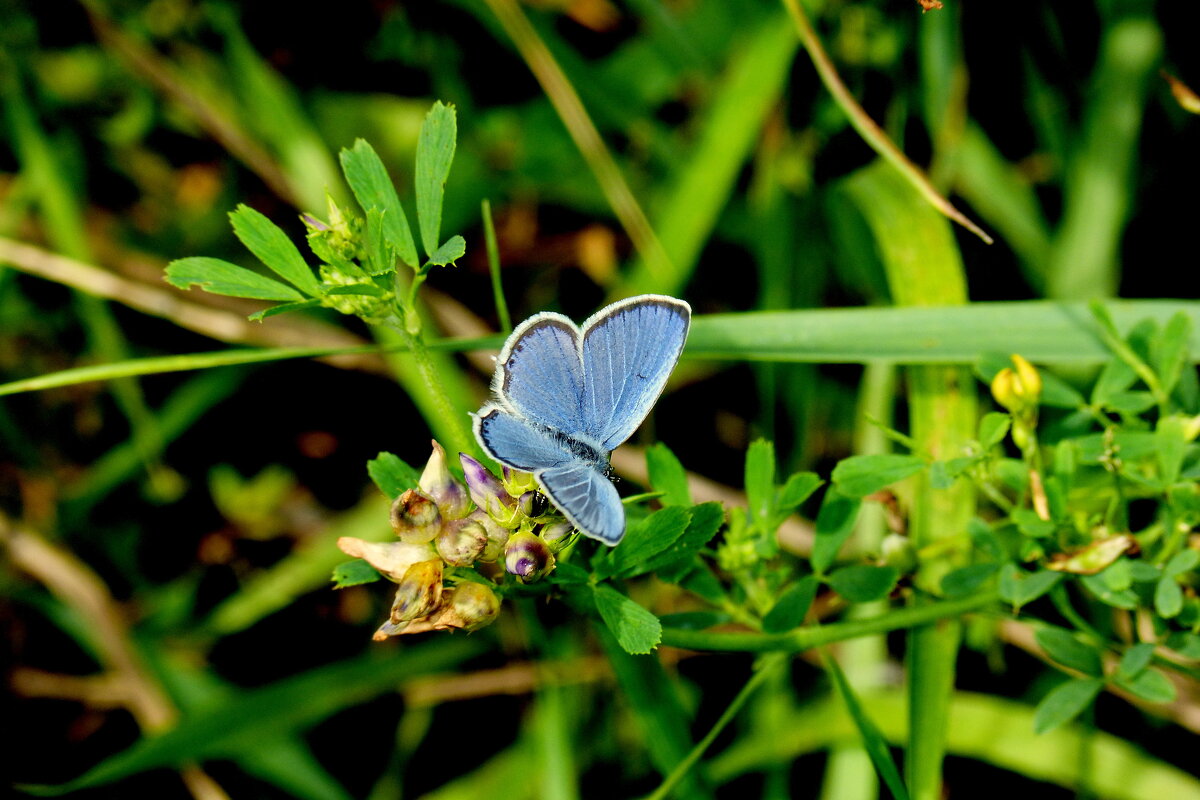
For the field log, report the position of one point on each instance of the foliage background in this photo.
(131, 129)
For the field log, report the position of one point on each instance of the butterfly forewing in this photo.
(629, 351)
(588, 498)
(541, 375)
(517, 443)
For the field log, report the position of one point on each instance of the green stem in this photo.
(808, 637)
(764, 669)
(493, 254)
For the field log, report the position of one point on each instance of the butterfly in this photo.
(566, 397)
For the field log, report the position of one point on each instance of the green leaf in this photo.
(381, 255)
(863, 583)
(835, 523)
(356, 290)
(373, 188)
(644, 540)
(1019, 588)
(993, 428)
(354, 573)
(259, 316)
(760, 482)
(453, 249)
(1143, 572)
(636, 629)
(1170, 436)
(1168, 597)
(435, 152)
(873, 740)
(1064, 703)
(1135, 659)
(1182, 562)
(859, 476)
(1057, 393)
(392, 475)
(1114, 378)
(273, 247)
(568, 574)
(789, 610)
(706, 521)
(221, 277)
(798, 488)
(1117, 599)
(1066, 648)
(667, 476)
(1030, 524)
(1171, 351)
(1186, 644)
(1149, 684)
(967, 580)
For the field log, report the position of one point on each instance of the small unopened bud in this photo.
(391, 559)
(527, 557)
(488, 493)
(313, 224)
(1017, 388)
(497, 536)
(532, 503)
(461, 542)
(419, 592)
(437, 482)
(472, 606)
(898, 552)
(415, 517)
(517, 482)
(557, 534)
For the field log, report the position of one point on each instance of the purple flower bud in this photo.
(517, 482)
(313, 224)
(497, 536)
(488, 493)
(419, 592)
(461, 542)
(415, 517)
(557, 534)
(437, 482)
(527, 557)
(532, 503)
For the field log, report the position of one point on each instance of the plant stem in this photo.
(762, 671)
(493, 254)
(808, 637)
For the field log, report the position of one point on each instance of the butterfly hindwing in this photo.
(588, 499)
(629, 351)
(540, 373)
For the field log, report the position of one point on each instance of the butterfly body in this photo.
(567, 396)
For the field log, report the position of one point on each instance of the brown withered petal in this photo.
(436, 481)
(391, 559)
(1095, 557)
(419, 592)
(461, 542)
(468, 607)
(415, 517)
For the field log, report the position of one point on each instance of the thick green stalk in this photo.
(924, 269)
(810, 636)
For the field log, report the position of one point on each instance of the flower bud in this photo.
(497, 536)
(415, 517)
(488, 493)
(557, 535)
(471, 607)
(532, 503)
(391, 559)
(517, 482)
(527, 557)
(437, 482)
(898, 552)
(419, 592)
(461, 542)
(1017, 388)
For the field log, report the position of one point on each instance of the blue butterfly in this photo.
(566, 397)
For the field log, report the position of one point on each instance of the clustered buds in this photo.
(442, 524)
(1019, 388)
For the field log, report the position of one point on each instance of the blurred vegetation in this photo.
(174, 488)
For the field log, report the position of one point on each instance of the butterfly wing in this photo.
(513, 441)
(539, 375)
(588, 499)
(629, 350)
